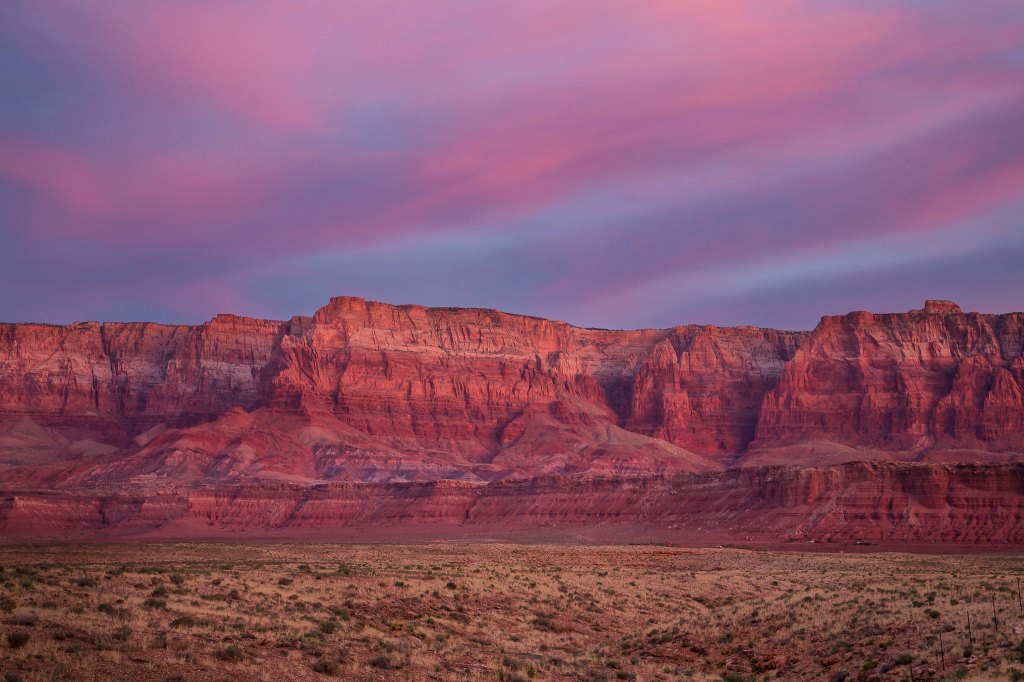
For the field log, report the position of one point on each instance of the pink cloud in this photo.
(264, 130)
(61, 175)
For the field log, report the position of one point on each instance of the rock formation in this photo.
(472, 416)
(928, 379)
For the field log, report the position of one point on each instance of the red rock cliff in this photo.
(372, 414)
(124, 377)
(365, 390)
(930, 378)
(860, 502)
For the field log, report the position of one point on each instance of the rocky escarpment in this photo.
(914, 381)
(136, 422)
(472, 384)
(120, 379)
(870, 503)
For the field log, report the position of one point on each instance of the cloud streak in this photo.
(608, 163)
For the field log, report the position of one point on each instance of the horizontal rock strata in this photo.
(368, 413)
(869, 503)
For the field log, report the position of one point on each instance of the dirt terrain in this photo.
(205, 611)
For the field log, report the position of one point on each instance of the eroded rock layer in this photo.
(930, 378)
(858, 502)
(423, 411)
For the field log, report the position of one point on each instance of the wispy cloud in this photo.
(605, 162)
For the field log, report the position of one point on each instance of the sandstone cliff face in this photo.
(369, 391)
(122, 378)
(860, 502)
(522, 419)
(702, 387)
(935, 377)
(457, 381)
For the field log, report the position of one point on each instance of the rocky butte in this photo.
(375, 420)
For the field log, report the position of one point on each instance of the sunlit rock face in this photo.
(136, 426)
(930, 379)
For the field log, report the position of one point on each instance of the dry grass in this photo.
(502, 612)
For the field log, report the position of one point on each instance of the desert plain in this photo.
(513, 612)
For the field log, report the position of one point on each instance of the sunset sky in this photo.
(614, 164)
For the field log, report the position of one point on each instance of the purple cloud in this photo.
(612, 163)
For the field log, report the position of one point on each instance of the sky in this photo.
(617, 164)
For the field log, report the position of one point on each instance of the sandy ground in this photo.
(469, 611)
